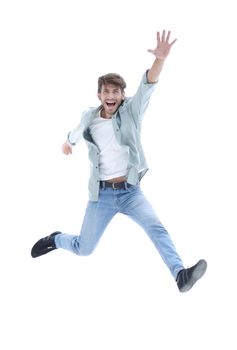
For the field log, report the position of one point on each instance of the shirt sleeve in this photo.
(139, 102)
(76, 134)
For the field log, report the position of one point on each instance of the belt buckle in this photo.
(113, 186)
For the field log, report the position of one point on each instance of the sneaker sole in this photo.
(197, 274)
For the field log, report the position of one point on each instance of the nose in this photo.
(110, 95)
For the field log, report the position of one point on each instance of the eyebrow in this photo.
(113, 89)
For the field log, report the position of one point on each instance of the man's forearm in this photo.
(155, 70)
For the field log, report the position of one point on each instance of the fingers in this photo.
(168, 36)
(67, 152)
(163, 35)
(173, 42)
(165, 38)
(67, 149)
(151, 51)
(158, 38)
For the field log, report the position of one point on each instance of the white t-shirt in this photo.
(113, 160)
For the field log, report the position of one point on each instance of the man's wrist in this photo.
(68, 140)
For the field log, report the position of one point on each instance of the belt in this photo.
(115, 185)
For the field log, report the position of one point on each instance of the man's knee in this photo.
(84, 250)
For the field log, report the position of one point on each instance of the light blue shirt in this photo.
(127, 128)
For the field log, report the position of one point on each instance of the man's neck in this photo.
(104, 115)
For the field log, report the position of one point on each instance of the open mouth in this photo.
(111, 104)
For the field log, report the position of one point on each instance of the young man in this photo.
(112, 133)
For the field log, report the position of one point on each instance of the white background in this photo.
(122, 296)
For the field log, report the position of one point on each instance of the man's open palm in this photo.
(163, 46)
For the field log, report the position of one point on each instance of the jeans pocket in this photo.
(132, 188)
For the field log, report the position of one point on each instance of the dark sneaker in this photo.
(44, 245)
(187, 277)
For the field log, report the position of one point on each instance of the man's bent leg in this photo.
(97, 217)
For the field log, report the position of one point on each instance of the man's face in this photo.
(111, 97)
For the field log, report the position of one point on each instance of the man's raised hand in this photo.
(163, 46)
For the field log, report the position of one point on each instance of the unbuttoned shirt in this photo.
(127, 128)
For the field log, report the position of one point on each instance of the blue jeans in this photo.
(131, 202)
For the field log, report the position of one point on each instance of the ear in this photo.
(99, 96)
(123, 96)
